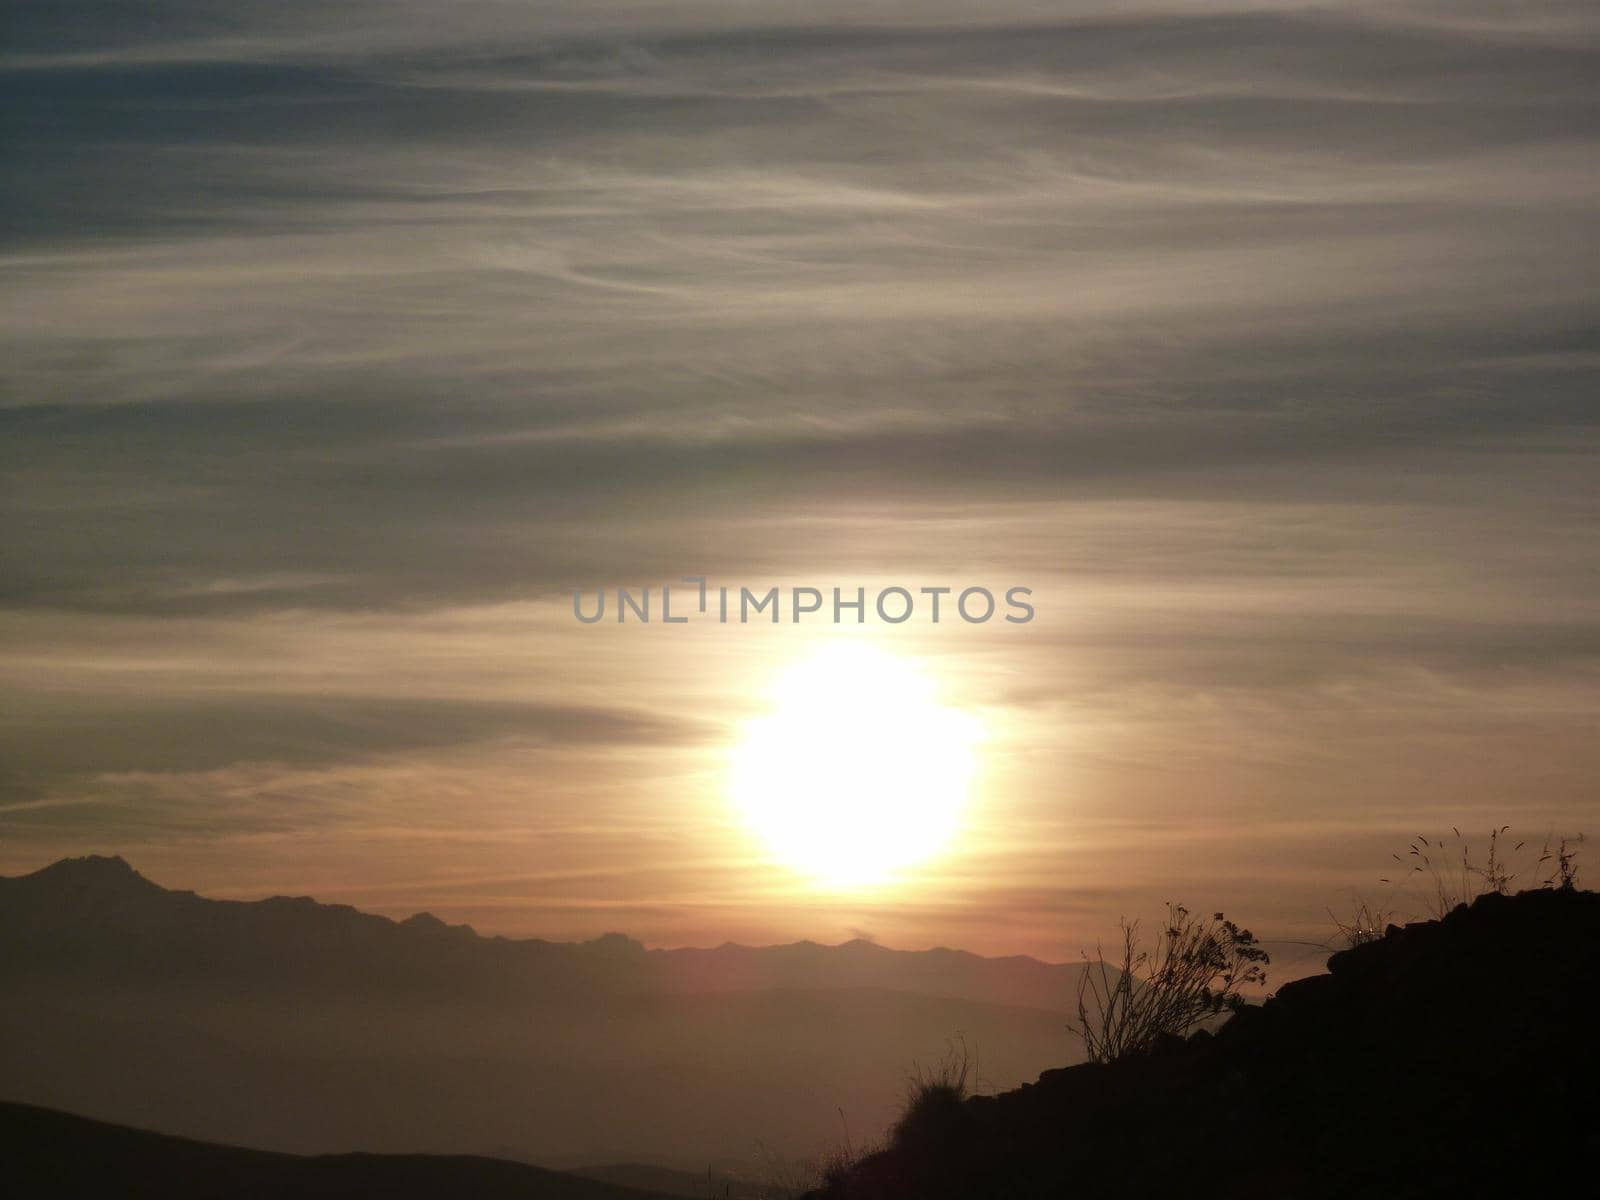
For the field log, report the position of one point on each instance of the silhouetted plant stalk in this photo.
(1366, 923)
(1195, 971)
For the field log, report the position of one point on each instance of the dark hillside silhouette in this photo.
(1448, 1058)
(63, 1157)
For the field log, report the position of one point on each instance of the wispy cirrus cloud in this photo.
(1259, 339)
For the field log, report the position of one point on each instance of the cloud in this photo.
(1258, 338)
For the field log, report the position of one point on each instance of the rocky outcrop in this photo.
(1455, 1057)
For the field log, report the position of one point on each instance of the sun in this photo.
(857, 771)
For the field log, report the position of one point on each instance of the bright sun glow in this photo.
(857, 771)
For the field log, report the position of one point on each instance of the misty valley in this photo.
(289, 1025)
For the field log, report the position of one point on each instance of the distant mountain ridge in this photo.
(99, 914)
(311, 1028)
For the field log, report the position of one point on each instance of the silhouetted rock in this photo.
(1451, 1058)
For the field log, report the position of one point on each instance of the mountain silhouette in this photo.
(1450, 1058)
(57, 1155)
(291, 1025)
(97, 915)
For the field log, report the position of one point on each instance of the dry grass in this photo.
(934, 1095)
(1451, 871)
(1366, 922)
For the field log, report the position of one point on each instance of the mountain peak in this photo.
(430, 924)
(94, 870)
(616, 944)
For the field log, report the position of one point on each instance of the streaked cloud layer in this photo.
(342, 341)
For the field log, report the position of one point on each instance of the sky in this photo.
(342, 343)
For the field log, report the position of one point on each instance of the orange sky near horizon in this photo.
(1115, 780)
